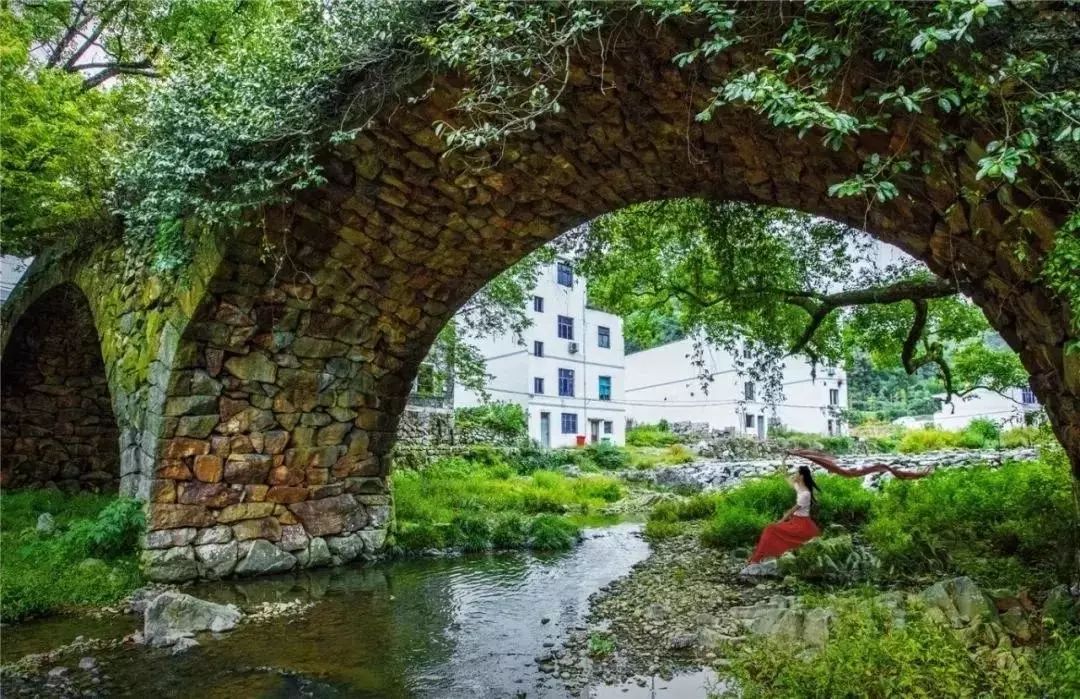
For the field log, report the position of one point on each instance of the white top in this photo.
(802, 502)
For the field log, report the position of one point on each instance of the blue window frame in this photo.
(569, 423)
(565, 274)
(538, 304)
(538, 385)
(605, 388)
(566, 327)
(538, 348)
(603, 336)
(566, 382)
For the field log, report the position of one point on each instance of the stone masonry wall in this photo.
(56, 420)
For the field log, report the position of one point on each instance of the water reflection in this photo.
(422, 628)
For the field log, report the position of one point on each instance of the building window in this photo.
(538, 304)
(603, 336)
(538, 348)
(566, 382)
(1027, 396)
(569, 423)
(605, 388)
(538, 386)
(609, 426)
(834, 396)
(429, 381)
(749, 420)
(830, 428)
(748, 391)
(566, 328)
(565, 274)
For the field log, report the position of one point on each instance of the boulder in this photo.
(175, 564)
(345, 548)
(959, 603)
(316, 555)
(46, 525)
(262, 557)
(217, 560)
(174, 615)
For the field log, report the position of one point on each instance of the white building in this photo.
(663, 384)
(568, 375)
(1006, 408)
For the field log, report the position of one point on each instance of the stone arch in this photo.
(57, 419)
(293, 373)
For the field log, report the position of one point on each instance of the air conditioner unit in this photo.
(572, 348)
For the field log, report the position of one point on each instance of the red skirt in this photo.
(784, 536)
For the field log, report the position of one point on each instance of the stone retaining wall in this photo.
(58, 428)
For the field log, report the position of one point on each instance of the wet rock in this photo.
(217, 560)
(170, 565)
(1016, 624)
(168, 538)
(682, 641)
(764, 569)
(175, 615)
(88, 663)
(316, 555)
(261, 557)
(345, 548)
(220, 534)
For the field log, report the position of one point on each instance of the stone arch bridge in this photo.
(252, 401)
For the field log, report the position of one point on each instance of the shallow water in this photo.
(451, 627)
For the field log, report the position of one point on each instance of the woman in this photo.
(796, 527)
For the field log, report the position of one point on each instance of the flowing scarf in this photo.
(829, 464)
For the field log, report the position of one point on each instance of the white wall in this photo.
(1008, 409)
(663, 384)
(513, 367)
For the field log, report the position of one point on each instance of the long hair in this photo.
(808, 481)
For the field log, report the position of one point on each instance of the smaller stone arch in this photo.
(57, 425)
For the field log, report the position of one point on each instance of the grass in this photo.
(651, 436)
(871, 653)
(89, 559)
(457, 502)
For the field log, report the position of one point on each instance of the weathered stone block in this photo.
(317, 554)
(260, 557)
(165, 516)
(162, 490)
(245, 510)
(265, 528)
(220, 534)
(208, 494)
(208, 468)
(217, 560)
(255, 366)
(374, 541)
(247, 468)
(170, 565)
(179, 447)
(168, 538)
(345, 548)
(294, 538)
(191, 405)
(196, 425)
(173, 469)
(327, 516)
(255, 493)
(287, 494)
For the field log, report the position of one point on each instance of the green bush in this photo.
(1025, 436)
(607, 456)
(420, 536)
(839, 444)
(870, 653)
(506, 419)
(830, 559)
(734, 526)
(926, 439)
(550, 533)
(995, 524)
(510, 532)
(986, 432)
(532, 458)
(89, 559)
(656, 529)
(678, 454)
(650, 436)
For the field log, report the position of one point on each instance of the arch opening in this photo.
(57, 422)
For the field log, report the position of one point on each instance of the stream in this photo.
(466, 626)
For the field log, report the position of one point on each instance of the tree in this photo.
(788, 284)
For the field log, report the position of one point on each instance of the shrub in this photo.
(532, 458)
(549, 533)
(601, 645)
(505, 419)
(606, 456)
(678, 454)
(650, 436)
(598, 488)
(839, 444)
(927, 439)
(733, 526)
(656, 529)
(89, 559)
(830, 559)
(871, 653)
(510, 532)
(992, 523)
(842, 501)
(983, 430)
(1023, 437)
